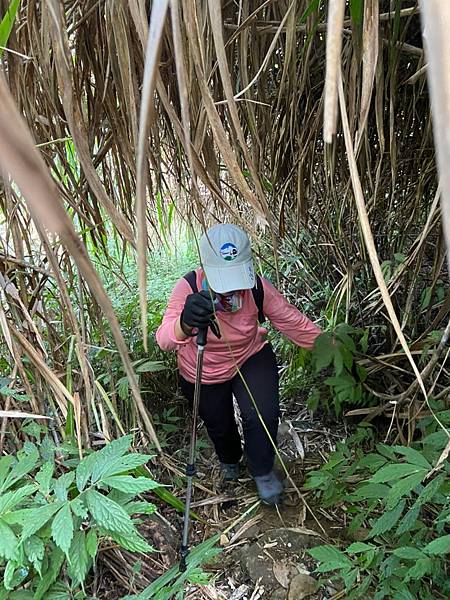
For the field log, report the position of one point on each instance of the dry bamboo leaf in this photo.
(77, 419)
(369, 240)
(146, 117)
(21, 160)
(10, 289)
(217, 127)
(436, 21)
(443, 457)
(369, 59)
(215, 15)
(5, 329)
(75, 119)
(240, 532)
(60, 391)
(297, 441)
(180, 64)
(269, 53)
(139, 16)
(336, 10)
(282, 573)
(18, 414)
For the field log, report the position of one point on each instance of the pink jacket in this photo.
(242, 336)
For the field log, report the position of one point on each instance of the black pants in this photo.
(216, 409)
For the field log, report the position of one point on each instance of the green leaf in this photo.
(18, 517)
(7, 23)
(8, 541)
(425, 298)
(429, 491)
(34, 550)
(110, 455)
(11, 499)
(8, 574)
(108, 514)
(62, 484)
(386, 451)
(324, 351)
(84, 470)
(356, 11)
(43, 478)
(388, 520)
(417, 571)
(200, 554)
(413, 456)
(24, 465)
(78, 559)
(332, 565)
(346, 340)
(92, 543)
(364, 341)
(5, 464)
(62, 528)
(330, 554)
(129, 484)
(55, 562)
(78, 508)
(408, 553)
(342, 383)
(408, 521)
(59, 591)
(140, 508)
(313, 399)
(371, 490)
(438, 546)
(127, 463)
(402, 488)
(47, 449)
(150, 366)
(38, 517)
(338, 363)
(372, 461)
(198, 577)
(132, 542)
(358, 547)
(392, 472)
(350, 578)
(313, 6)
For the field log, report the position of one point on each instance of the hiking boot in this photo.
(269, 488)
(229, 471)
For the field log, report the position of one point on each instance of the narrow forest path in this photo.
(264, 555)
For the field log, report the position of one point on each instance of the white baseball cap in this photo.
(226, 258)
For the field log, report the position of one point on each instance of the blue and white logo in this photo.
(228, 251)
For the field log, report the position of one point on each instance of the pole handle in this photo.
(201, 336)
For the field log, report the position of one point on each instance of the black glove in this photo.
(198, 310)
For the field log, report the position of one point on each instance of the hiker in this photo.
(228, 297)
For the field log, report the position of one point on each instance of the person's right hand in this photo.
(198, 310)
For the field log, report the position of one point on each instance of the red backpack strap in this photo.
(258, 297)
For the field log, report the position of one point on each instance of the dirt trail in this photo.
(264, 556)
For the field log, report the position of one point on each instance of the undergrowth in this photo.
(55, 511)
(397, 506)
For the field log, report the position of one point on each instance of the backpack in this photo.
(257, 291)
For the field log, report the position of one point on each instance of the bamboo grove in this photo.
(218, 110)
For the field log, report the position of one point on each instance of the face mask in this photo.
(226, 302)
(229, 302)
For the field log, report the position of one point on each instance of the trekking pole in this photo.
(190, 467)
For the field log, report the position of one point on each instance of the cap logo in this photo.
(228, 251)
